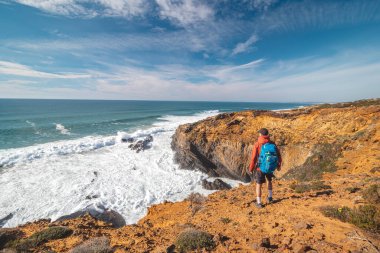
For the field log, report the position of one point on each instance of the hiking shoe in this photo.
(270, 200)
(259, 205)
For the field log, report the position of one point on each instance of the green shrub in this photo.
(340, 213)
(192, 239)
(366, 217)
(51, 233)
(307, 187)
(94, 245)
(372, 194)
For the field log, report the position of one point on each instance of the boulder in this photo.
(98, 212)
(142, 145)
(5, 219)
(217, 184)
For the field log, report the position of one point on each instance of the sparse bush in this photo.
(94, 245)
(193, 239)
(366, 217)
(225, 220)
(196, 198)
(340, 213)
(51, 233)
(307, 187)
(372, 194)
(196, 202)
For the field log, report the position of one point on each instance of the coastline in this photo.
(231, 214)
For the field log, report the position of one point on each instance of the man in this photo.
(265, 159)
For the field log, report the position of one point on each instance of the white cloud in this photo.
(88, 8)
(11, 68)
(244, 46)
(184, 12)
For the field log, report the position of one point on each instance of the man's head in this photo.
(263, 131)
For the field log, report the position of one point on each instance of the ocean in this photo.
(61, 156)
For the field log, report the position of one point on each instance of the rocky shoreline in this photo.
(327, 199)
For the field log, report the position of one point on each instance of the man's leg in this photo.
(270, 187)
(258, 193)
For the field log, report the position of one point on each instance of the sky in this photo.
(210, 50)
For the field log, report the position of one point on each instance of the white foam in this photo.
(61, 128)
(53, 179)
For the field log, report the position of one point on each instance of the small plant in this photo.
(194, 239)
(196, 198)
(196, 202)
(225, 220)
(307, 187)
(372, 194)
(94, 245)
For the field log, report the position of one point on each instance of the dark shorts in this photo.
(260, 177)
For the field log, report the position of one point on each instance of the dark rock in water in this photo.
(127, 140)
(8, 235)
(142, 145)
(99, 213)
(218, 184)
(5, 219)
(92, 196)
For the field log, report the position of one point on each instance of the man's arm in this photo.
(253, 158)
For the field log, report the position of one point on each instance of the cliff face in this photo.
(343, 136)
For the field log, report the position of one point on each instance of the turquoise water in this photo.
(26, 122)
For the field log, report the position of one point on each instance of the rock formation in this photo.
(313, 139)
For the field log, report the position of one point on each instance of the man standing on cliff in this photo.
(266, 158)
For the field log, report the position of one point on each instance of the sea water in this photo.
(61, 156)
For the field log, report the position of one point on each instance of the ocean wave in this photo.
(55, 178)
(10, 157)
(61, 128)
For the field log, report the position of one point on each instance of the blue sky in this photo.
(217, 50)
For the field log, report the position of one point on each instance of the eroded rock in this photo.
(217, 184)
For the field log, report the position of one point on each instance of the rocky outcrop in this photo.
(98, 212)
(139, 145)
(217, 184)
(314, 139)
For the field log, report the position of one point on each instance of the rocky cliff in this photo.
(312, 140)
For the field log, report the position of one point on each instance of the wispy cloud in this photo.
(89, 9)
(15, 69)
(185, 12)
(244, 46)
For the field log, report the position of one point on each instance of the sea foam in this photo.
(58, 178)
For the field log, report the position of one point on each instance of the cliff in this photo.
(336, 136)
(328, 201)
